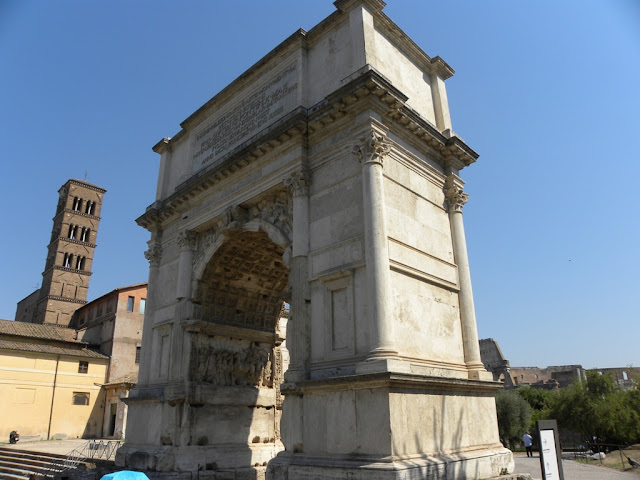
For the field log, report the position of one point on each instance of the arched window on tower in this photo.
(85, 235)
(80, 263)
(77, 204)
(68, 260)
(69, 235)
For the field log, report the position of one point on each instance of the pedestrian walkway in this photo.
(573, 470)
(58, 447)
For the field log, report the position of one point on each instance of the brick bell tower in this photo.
(65, 280)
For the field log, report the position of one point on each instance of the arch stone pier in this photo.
(310, 311)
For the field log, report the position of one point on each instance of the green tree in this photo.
(535, 397)
(597, 408)
(538, 400)
(514, 416)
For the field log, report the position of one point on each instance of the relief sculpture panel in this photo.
(227, 362)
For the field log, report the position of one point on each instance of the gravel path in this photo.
(573, 470)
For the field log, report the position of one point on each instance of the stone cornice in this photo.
(70, 240)
(87, 185)
(435, 65)
(65, 269)
(394, 381)
(369, 86)
(162, 146)
(449, 149)
(63, 299)
(75, 212)
(348, 5)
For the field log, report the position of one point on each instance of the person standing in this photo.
(528, 442)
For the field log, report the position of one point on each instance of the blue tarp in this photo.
(125, 475)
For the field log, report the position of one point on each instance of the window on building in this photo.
(83, 318)
(143, 305)
(85, 235)
(138, 354)
(77, 204)
(80, 398)
(68, 260)
(83, 367)
(111, 305)
(130, 301)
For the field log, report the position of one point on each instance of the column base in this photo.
(478, 372)
(387, 362)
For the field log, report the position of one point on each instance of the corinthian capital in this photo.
(187, 240)
(154, 255)
(454, 194)
(299, 183)
(372, 148)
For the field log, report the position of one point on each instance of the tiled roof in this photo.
(39, 348)
(34, 330)
(119, 289)
(132, 379)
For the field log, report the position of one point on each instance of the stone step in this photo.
(56, 464)
(9, 472)
(21, 464)
(35, 467)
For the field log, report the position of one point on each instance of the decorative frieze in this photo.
(221, 365)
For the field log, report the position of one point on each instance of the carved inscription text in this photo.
(257, 110)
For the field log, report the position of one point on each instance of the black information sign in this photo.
(550, 453)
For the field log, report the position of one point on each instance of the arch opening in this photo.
(245, 282)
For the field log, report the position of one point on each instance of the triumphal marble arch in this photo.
(326, 178)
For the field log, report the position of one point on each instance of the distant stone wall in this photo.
(551, 377)
(494, 361)
(625, 377)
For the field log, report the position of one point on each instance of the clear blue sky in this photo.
(547, 92)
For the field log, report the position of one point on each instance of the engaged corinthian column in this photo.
(371, 152)
(154, 256)
(187, 243)
(297, 328)
(456, 198)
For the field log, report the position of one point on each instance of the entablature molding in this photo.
(300, 124)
